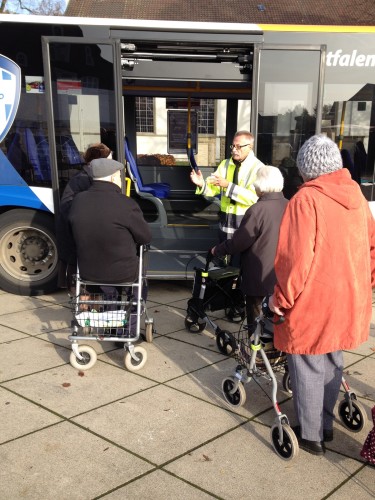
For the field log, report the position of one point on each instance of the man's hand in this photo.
(217, 180)
(274, 308)
(197, 178)
(213, 250)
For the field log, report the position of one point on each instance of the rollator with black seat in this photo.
(215, 288)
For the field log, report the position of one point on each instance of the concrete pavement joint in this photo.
(350, 477)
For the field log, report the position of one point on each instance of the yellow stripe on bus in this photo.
(321, 29)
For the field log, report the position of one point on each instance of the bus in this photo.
(153, 89)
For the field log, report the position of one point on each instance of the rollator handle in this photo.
(270, 314)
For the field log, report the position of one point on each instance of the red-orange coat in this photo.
(325, 267)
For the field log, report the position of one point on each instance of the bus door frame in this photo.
(258, 48)
(117, 80)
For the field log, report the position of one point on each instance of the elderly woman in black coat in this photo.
(256, 239)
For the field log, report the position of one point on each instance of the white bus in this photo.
(84, 80)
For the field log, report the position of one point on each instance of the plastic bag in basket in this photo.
(106, 319)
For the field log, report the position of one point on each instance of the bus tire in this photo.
(28, 252)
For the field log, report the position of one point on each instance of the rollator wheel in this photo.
(288, 448)
(194, 326)
(225, 342)
(149, 333)
(357, 421)
(237, 398)
(286, 383)
(89, 358)
(134, 365)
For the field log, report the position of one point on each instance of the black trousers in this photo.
(253, 306)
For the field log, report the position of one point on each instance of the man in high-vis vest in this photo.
(233, 181)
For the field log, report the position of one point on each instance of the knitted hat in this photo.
(103, 167)
(318, 156)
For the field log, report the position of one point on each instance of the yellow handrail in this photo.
(128, 183)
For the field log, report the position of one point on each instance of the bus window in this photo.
(288, 90)
(84, 102)
(26, 144)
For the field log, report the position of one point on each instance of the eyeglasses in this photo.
(238, 146)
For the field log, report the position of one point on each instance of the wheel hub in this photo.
(34, 249)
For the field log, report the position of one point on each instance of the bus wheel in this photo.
(28, 252)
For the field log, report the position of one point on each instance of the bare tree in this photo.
(42, 7)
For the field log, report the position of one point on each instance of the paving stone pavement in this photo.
(162, 432)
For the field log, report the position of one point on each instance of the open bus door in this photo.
(93, 89)
(179, 76)
(287, 110)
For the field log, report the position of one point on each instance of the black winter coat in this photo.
(107, 227)
(256, 239)
(65, 243)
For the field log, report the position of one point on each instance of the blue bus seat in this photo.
(32, 154)
(32, 149)
(15, 153)
(69, 151)
(159, 190)
(43, 154)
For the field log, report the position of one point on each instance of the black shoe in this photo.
(313, 447)
(327, 435)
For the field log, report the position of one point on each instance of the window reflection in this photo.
(350, 122)
(287, 109)
(84, 102)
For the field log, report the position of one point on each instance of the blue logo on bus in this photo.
(10, 91)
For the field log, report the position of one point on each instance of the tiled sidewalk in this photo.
(163, 432)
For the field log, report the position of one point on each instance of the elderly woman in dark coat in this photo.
(256, 239)
(78, 183)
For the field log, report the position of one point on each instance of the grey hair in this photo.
(245, 133)
(269, 180)
(318, 156)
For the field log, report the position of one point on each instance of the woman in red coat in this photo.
(325, 270)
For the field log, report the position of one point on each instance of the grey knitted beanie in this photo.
(318, 156)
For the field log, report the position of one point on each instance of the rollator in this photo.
(108, 312)
(257, 357)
